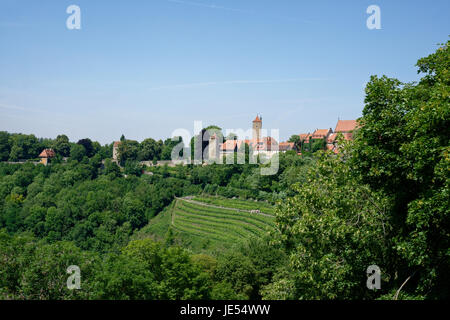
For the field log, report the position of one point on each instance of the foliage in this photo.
(403, 149)
(334, 227)
(5, 147)
(62, 145)
(23, 147)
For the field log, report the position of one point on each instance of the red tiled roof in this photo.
(285, 146)
(304, 136)
(345, 126)
(116, 144)
(47, 153)
(265, 143)
(231, 145)
(320, 133)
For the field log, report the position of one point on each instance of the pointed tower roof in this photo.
(257, 119)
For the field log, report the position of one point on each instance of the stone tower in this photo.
(116, 150)
(257, 124)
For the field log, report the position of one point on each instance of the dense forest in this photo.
(382, 200)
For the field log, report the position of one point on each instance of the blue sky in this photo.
(146, 68)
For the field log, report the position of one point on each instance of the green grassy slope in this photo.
(206, 224)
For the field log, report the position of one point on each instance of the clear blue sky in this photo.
(146, 68)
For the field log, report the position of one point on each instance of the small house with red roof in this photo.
(46, 155)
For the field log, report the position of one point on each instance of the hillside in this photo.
(205, 224)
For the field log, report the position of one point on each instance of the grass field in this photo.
(206, 224)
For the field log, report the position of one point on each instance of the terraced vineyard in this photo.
(237, 204)
(219, 225)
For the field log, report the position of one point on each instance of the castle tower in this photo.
(116, 151)
(257, 124)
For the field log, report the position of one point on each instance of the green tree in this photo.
(112, 168)
(5, 147)
(77, 152)
(237, 269)
(128, 150)
(15, 251)
(62, 145)
(333, 228)
(134, 211)
(176, 275)
(296, 140)
(402, 148)
(45, 275)
(88, 146)
(122, 277)
(133, 168)
(23, 147)
(169, 144)
(149, 149)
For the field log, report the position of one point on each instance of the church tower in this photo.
(257, 124)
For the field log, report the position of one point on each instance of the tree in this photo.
(112, 168)
(237, 269)
(149, 149)
(402, 148)
(128, 150)
(24, 147)
(77, 152)
(62, 145)
(317, 144)
(5, 147)
(88, 146)
(296, 140)
(15, 251)
(122, 277)
(168, 146)
(177, 277)
(134, 211)
(44, 277)
(133, 168)
(333, 228)
(248, 267)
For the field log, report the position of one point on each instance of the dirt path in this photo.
(189, 199)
